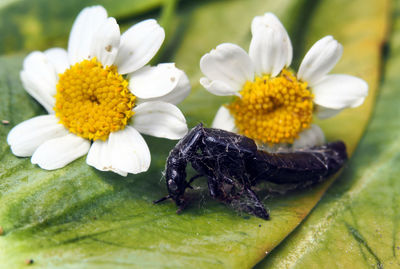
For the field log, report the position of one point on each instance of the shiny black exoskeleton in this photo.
(233, 164)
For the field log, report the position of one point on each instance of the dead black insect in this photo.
(233, 164)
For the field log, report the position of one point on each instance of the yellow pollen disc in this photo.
(273, 110)
(92, 101)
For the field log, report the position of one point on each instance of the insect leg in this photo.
(213, 188)
(252, 204)
(192, 179)
(240, 196)
(224, 161)
(234, 193)
(205, 166)
(162, 199)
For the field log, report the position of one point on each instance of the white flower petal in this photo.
(360, 101)
(151, 82)
(160, 119)
(229, 64)
(180, 91)
(340, 91)
(177, 95)
(129, 151)
(324, 113)
(99, 157)
(267, 52)
(58, 152)
(85, 26)
(138, 45)
(124, 152)
(105, 42)
(270, 48)
(39, 79)
(59, 58)
(311, 137)
(224, 120)
(218, 87)
(270, 20)
(319, 60)
(27, 136)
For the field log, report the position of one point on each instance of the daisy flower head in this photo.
(271, 104)
(100, 95)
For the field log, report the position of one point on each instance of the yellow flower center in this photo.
(273, 110)
(92, 101)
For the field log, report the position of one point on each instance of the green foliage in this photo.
(79, 217)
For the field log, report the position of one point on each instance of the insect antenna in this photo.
(162, 199)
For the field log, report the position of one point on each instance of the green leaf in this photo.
(78, 216)
(356, 224)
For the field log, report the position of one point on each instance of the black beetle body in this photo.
(233, 164)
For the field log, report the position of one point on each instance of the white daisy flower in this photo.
(274, 106)
(100, 96)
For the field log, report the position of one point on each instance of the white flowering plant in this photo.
(273, 105)
(100, 94)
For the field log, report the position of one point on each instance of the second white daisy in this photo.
(274, 106)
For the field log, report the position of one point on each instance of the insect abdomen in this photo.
(307, 165)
